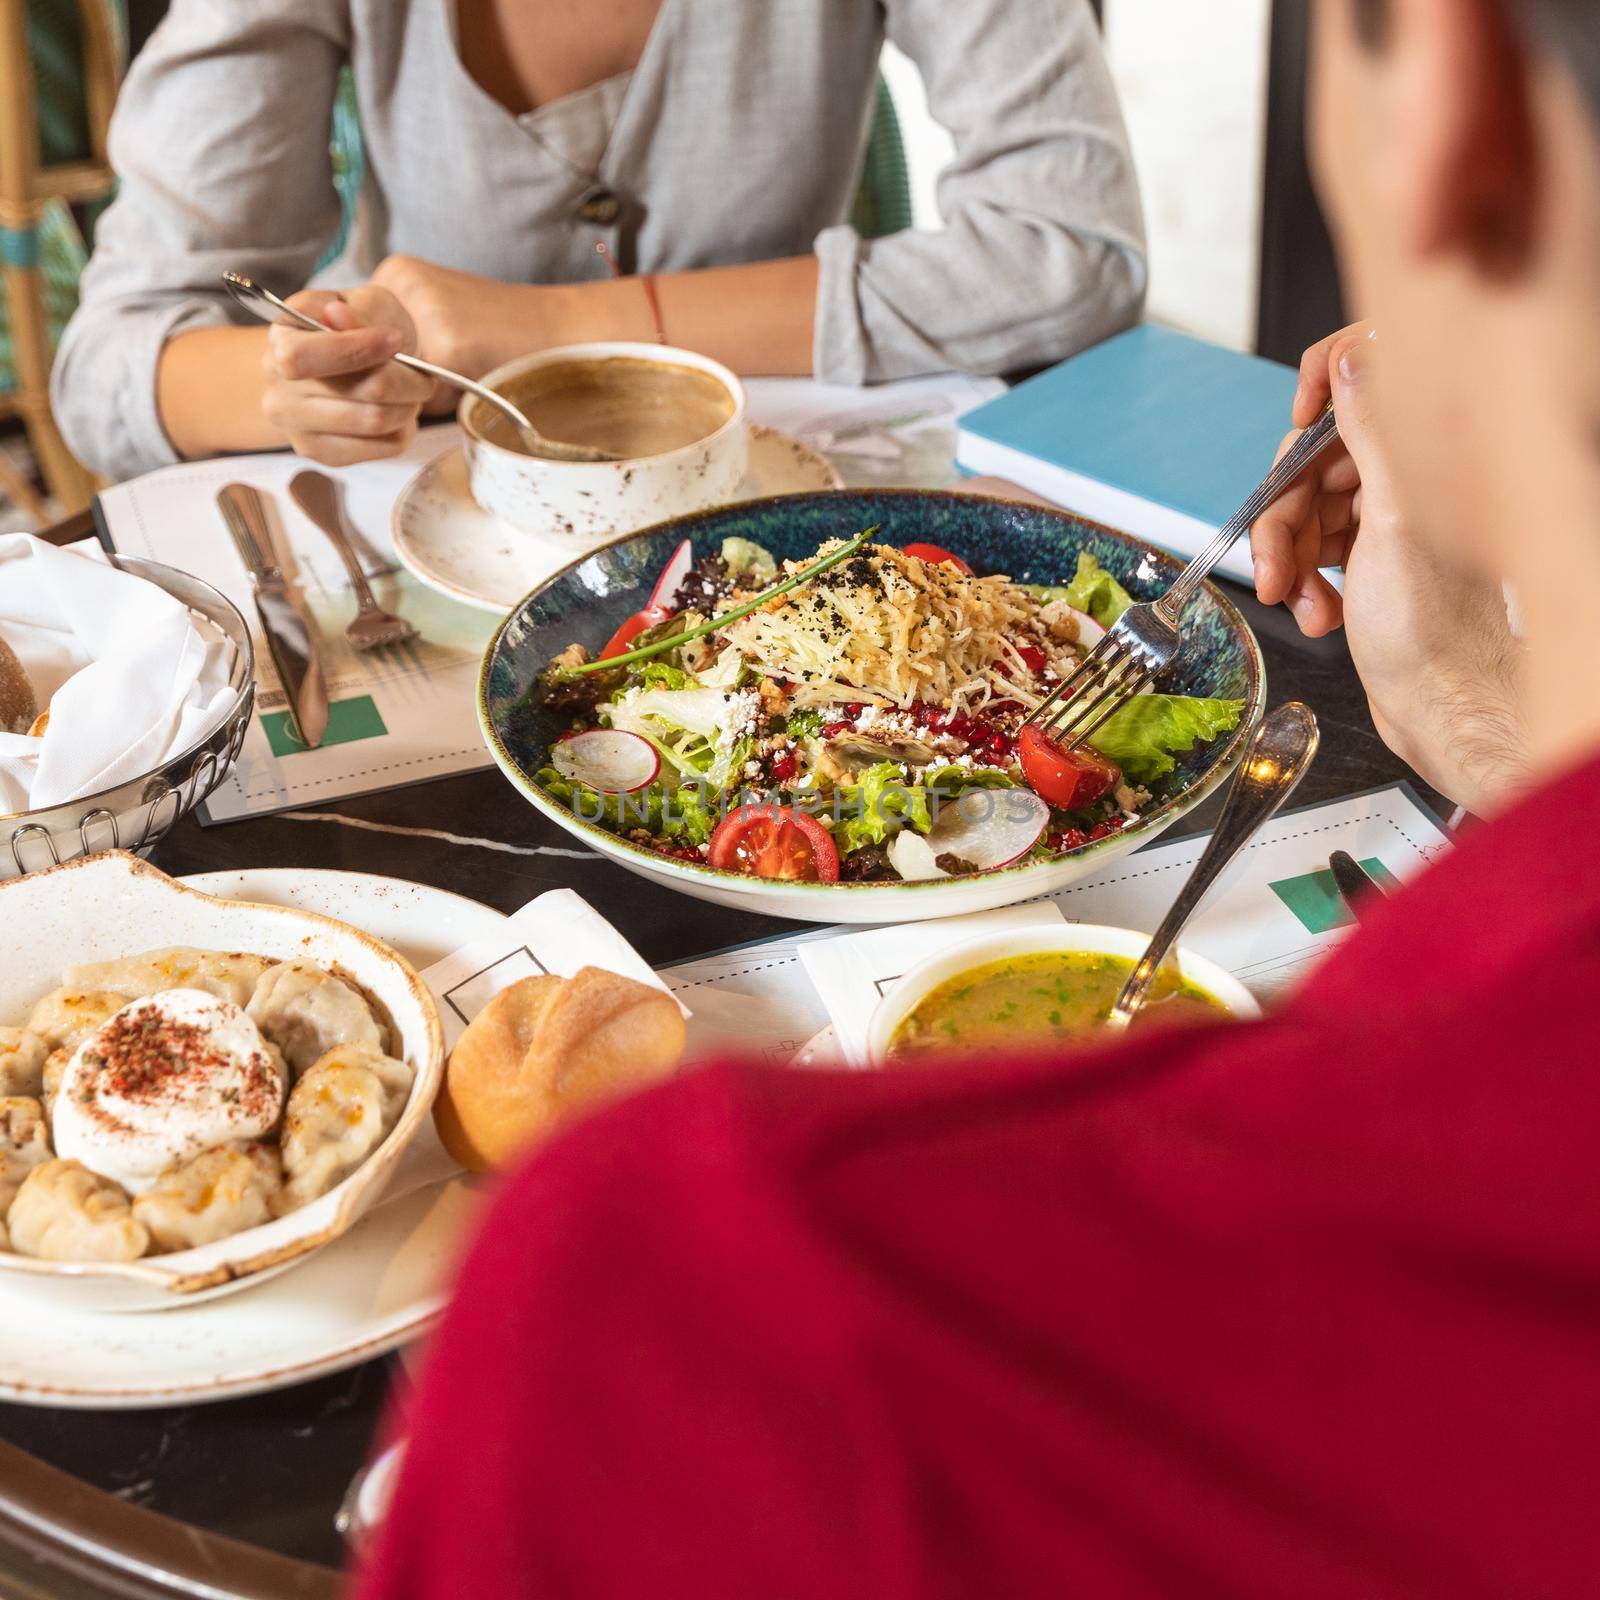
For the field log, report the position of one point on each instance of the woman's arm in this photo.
(220, 143)
(755, 318)
(1041, 251)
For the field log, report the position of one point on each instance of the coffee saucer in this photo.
(452, 544)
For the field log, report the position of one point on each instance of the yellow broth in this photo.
(1033, 1001)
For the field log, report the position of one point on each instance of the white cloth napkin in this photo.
(130, 674)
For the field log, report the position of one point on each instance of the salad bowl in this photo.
(591, 598)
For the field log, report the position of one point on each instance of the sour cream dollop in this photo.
(163, 1080)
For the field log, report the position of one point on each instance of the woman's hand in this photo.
(464, 322)
(339, 397)
(1430, 640)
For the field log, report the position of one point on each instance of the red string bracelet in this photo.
(647, 283)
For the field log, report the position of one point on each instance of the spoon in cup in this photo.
(263, 303)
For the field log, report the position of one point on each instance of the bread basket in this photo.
(136, 814)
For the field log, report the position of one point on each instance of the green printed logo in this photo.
(1315, 900)
(348, 720)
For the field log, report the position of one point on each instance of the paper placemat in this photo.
(1269, 920)
(395, 716)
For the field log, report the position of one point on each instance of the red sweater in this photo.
(1307, 1308)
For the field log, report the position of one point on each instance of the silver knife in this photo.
(291, 634)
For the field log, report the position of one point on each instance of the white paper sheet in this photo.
(763, 1001)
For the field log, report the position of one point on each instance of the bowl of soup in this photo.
(1040, 989)
(676, 421)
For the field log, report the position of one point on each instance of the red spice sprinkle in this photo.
(143, 1055)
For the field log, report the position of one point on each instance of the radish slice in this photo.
(673, 574)
(606, 759)
(912, 857)
(988, 827)
(1090, 633)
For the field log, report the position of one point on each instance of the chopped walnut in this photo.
(573, 656)
(773, 698)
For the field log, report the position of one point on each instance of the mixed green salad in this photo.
(860, 716)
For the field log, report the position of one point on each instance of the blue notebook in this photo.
(1154, 432)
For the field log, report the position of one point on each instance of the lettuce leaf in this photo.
(748, 560)
(1146, 735)
(1094, 590)
(805, 723)
(679, 813)
(952, 781)
(660, 674)
(880, 803)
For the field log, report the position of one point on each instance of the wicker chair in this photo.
(60, 66)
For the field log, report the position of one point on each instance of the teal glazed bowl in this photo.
(588, 600)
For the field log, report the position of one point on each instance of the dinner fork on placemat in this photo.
(317, 495)
(1145, 638)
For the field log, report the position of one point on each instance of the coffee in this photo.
(629, 406)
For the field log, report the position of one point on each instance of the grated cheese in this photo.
(888, 629)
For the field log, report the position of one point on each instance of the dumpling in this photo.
(22, 1054)
(396, 1077)
(217, 1194)
(340, 1111)
(230, 976)
(307, 1012)
(24, 1145)
(55, 1069)
(69, 1016)
(64, 1212)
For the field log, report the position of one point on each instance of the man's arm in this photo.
(1432, 642)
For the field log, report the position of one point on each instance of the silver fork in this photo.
(1146, 637)
(318, 496)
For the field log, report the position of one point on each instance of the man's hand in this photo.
(1431, 641)
(338, 396)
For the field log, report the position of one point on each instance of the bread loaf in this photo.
(18, 708)
(545, 1049)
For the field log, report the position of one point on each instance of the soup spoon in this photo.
(1274, 762)
(269, 307)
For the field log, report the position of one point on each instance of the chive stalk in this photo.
(672, 641)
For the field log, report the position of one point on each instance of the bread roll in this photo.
(18, 708)
(545, 1049)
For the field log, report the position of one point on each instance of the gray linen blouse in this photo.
(737, 137)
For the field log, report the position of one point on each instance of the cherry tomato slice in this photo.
(1070, 779)
(935, 553)
(773, 841)
(630, 630)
